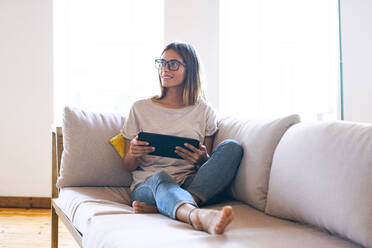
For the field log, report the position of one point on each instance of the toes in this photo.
(215, 221)
(227, 213)
(227, 210)
(138, 204)
(224, 220)
(220, 226)
(142, 207)
(137, 207)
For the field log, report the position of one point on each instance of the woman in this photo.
(176, 187)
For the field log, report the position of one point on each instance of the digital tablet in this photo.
(166, 144)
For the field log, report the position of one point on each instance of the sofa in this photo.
(299, 184)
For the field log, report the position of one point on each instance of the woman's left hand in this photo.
(197, 156)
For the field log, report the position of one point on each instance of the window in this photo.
(279, 57)
(104, 53)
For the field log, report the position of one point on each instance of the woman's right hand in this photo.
(139, 148)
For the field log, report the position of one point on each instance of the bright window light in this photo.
(104, 53)
(279, 57)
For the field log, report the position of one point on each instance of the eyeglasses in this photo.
(173, 65)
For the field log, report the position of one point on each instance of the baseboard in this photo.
(24, 202)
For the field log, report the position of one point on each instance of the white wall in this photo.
(25, 97)
(356, 31)
(26, 77)
(197, 22)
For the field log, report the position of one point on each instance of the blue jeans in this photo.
(213, 177)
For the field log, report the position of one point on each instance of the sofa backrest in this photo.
(88, 158)
(259, 139)
(322, 175)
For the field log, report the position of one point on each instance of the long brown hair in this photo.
(192, 91)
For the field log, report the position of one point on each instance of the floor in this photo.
(24, 228)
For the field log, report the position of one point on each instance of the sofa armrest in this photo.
(57, 148)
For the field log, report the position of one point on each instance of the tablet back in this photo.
(166, 144)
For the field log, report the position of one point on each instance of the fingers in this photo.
(193, 148)
(137, 142)
(202, 147)
(192, 156)
(142, 149)
(139, 153)
(139, 148)
(187, 155)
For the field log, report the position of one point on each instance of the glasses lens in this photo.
(173, 65)
(159, 63)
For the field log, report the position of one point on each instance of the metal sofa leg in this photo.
(54, 231)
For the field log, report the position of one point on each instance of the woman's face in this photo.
(170, 78)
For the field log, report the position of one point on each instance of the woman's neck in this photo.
(173, 97)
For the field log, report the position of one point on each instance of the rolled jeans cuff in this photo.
(178, 204)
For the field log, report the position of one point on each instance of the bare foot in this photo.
(142, 207)
(212, 221)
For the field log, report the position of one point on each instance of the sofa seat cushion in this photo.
(80, 204)
(322, 175)
(250, 228)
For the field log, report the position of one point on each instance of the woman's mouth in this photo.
(166, 77)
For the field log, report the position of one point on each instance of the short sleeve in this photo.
(211, 127)
(131, 127)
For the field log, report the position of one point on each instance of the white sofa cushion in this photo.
(259, 139)
(322, 175)
(88, 158)
(250, 228)
(80, 204)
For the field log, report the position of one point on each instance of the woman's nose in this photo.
(165, 68)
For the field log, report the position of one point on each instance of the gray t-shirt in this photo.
(195, 121)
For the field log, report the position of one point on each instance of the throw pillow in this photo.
(118, 143)
(259, 139)
(88, 159)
